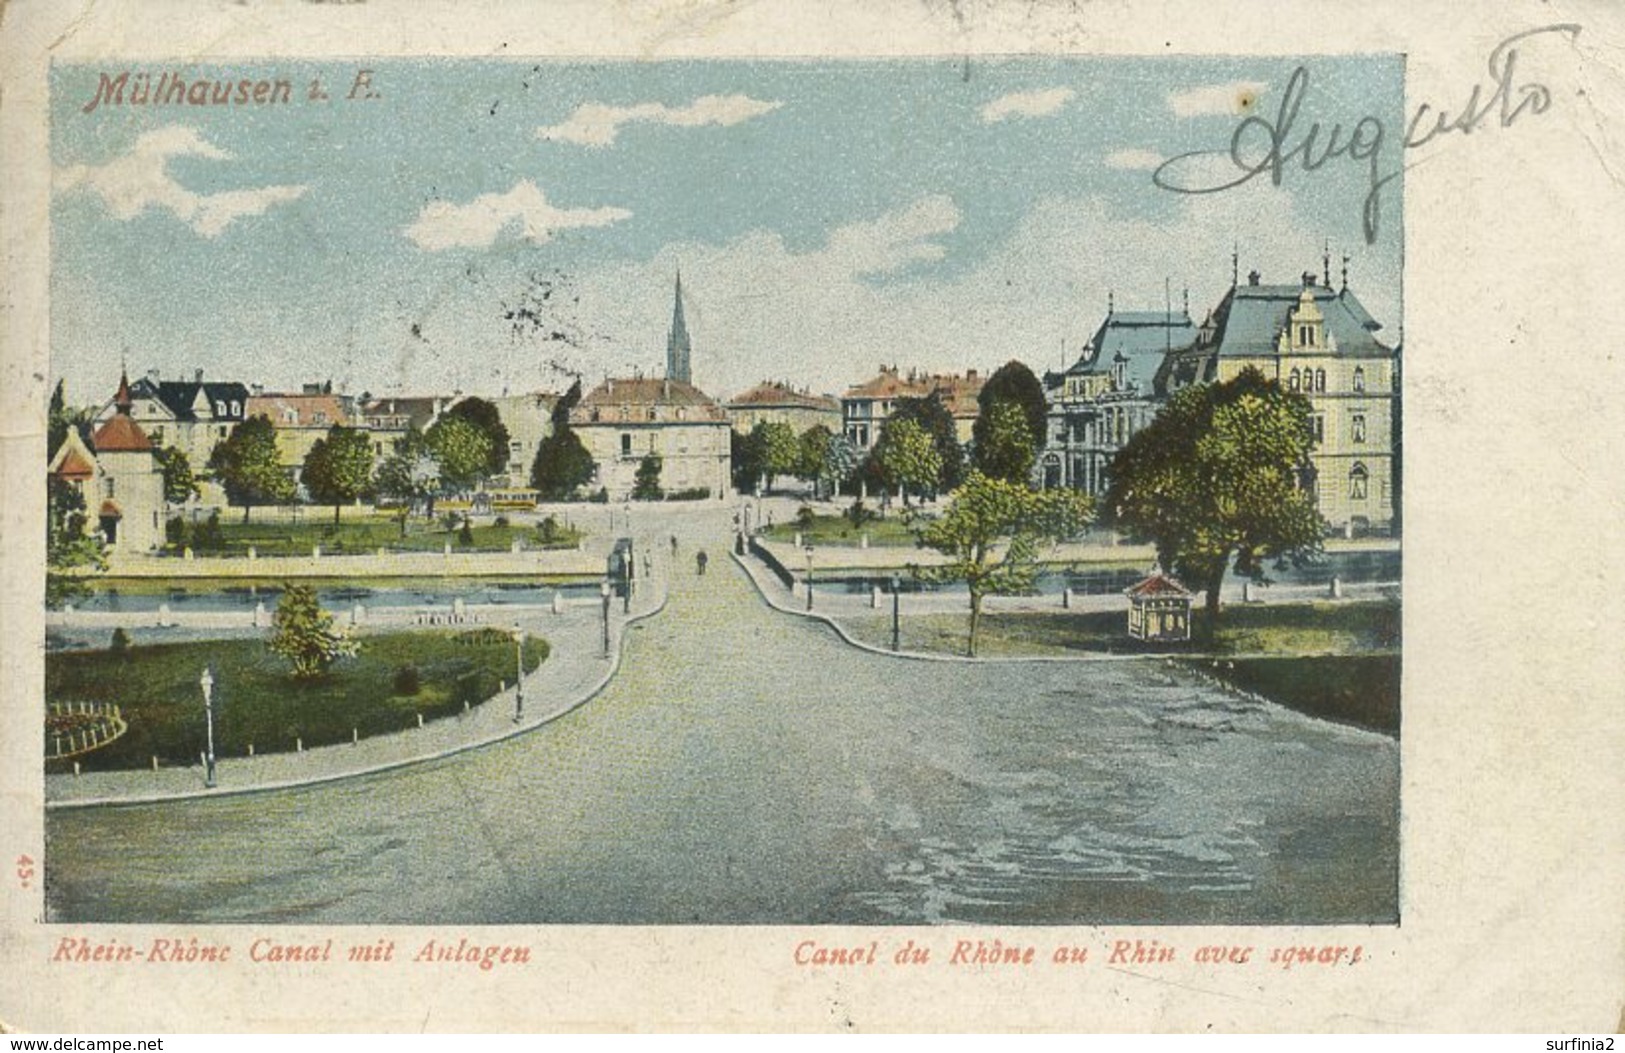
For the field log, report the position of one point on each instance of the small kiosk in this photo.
(1159, 609)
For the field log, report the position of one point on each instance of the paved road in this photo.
(747, 767)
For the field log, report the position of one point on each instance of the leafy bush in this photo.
(601, 497)
(175, 531)
(858, 514)
(208, 536)
(805, 517)
(694, 493)
(407, 681)
(120, 644)
(501, 522)
(548, 530)
(465, 535)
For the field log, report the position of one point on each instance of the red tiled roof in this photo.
(645, 393)
(74, 466)
(768, 393)
(111, 508)
(121, 435)
(1158, 584)
(888, 384)
(298, 411)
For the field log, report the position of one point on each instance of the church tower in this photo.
(677, 345)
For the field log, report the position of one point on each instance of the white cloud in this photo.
(524, 210)
(138, 180)
(1217, 100)
(595, 124)
(1142, 160)
(892, 241)
(1027, 104)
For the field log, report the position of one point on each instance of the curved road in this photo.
(747, 767)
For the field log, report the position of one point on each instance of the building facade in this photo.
(192, 416)
(866, 406)
(118, 477)
(1320, 342)
(529, 420)
(621, 421)
(300, 420)
(1106, 396)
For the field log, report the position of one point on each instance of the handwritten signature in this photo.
(1259, 145)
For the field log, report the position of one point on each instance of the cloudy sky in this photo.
(490, 225)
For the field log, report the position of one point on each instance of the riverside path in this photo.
(745, 766)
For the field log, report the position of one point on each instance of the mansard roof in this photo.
(645, 393)
(1140, 338)
(1249, 320)
(227, 398)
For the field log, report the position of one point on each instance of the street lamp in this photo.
(206, 681)
(519, 676)
(896, 600)
(603, 591)
(809, 577)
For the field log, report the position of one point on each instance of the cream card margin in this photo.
(1514, 693)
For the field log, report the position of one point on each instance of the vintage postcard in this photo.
(809, 531)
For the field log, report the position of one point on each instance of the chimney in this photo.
(1308, 279)
(152, 375)
(609, 386)
(197, 378)
(970, 374)
(1253, 277)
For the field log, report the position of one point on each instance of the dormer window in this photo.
(1359, 378)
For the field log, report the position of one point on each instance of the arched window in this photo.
(1359, 427)
(1293, 380)
(1359, 378)
(1320, 380)
(1358, 478)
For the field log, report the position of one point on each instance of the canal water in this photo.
(747, 767)
(214, 598)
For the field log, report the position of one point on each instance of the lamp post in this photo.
(519, 675)
(603, 591)
(896, 610)
(206, 681)
(809, 551)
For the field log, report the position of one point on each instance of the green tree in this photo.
(991, 533)
(1011, 383)
(462, 450)
(1004, 445)
(781, 450)
(484, 416)
(748, 458)
(249, 467)
(68, 549)
(908, 458)
(338, 468)
(840, 463)
(811, 447)
(562, 465)
(646, 483)
(1214, 478)
(304, 634)
(57, 422)
(180, 485)
(933, 416)
(409, 475)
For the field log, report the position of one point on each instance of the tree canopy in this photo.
(180, 485)
(780, 449)
(485, 417)
(1004, 445)
(646, 481)
(304, 634)
(933, 416)
(1014, 383)
(1215, 477)
(562, 465)
(462, 449)
(338, 468)
(991, 533)
(409, 474)
(249, 467)
(907, 457)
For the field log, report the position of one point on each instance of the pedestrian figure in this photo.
(700, 561)
(674, 544)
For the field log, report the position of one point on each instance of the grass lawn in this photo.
(365, 536)
(1362, 690)
(1285, 628)
(258, 701)
(838, 530)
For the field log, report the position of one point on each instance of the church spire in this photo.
(122, 400)
(678, 347)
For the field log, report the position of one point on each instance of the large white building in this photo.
(622, 421)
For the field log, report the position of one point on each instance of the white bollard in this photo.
(457, 608)
(259, 615)
(252, 554)
(863, 541)
(186, 554)
(315, 552)
(1247, 592)
(164, 621)
(516, 546)
(1337, 588)
(558, 602)
(798, 539)
(358, 615)
(446, 551)
(874, 597)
